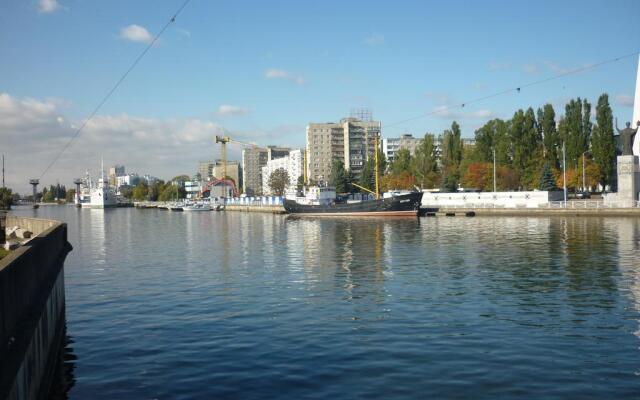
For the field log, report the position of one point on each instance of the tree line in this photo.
(157, 190)
(528, 151)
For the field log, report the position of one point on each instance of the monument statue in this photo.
(626, 137)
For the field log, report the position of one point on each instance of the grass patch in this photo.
(3, 252)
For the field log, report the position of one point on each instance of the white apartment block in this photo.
(293, 164)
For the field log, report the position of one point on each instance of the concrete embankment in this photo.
(276, 209)
(32, 306)
(537, 212)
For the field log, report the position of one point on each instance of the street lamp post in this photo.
(494, 170)
(583, 173)
(564, 173)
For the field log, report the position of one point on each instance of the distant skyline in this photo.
(261, 71)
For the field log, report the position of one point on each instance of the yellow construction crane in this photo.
(223, 140)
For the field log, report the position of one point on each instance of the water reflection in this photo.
(266, 306)
(64, 369)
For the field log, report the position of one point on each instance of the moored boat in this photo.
(197, 207)
(399, 205)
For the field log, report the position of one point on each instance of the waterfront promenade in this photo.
(32, 309)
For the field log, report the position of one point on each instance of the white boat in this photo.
(197, 207)
(101, 195)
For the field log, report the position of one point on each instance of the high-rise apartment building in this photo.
(253, 159)
(351, 141)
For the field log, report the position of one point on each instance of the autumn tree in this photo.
(479, 175)
(401, 181)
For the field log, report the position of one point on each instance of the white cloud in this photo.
(226, 110)
(458, 113)
(624, 100)
(136, 33)
(286, 75)
(530, 68)
(32, 132)
(496, 66)
(48, 6)
(375, 39)
(184, 33)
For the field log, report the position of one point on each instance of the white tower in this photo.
(636, 112)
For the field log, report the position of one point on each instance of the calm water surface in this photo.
(232, 305)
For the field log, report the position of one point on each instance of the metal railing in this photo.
(571, 204)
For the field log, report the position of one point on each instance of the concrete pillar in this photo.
(628, 179)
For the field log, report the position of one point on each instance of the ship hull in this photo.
(406, 205)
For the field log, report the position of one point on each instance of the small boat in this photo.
(197, 207)
(176, 207)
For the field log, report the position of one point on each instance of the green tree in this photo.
(126, 192)
(367, 176)
(402, 162)
(141, 191)
(339, 178)
(278, 181)
(494, 134)
(155, 189)
(6, 198)
(603, 147)
(70, 196)
(426, 163)
(526, 146)
(549, 133)
(547, 180)
(181, 178)
(574, 130)
(170, 191)
(48, 196)
(451, 157)
(300, 183)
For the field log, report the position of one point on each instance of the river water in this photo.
(164, 305)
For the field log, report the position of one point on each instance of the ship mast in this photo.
(376, 166)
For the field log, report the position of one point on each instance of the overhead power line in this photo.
(115, 87)
(516, 89)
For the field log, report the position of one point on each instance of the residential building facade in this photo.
(292, 163)
(351, 141)
(390, 146)
(253, 159)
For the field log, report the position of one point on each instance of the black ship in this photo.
(396, 206)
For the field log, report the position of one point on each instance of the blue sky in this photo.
(261, 71)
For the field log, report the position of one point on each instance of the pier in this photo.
(32, 309)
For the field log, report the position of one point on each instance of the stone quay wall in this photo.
(32, 305)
